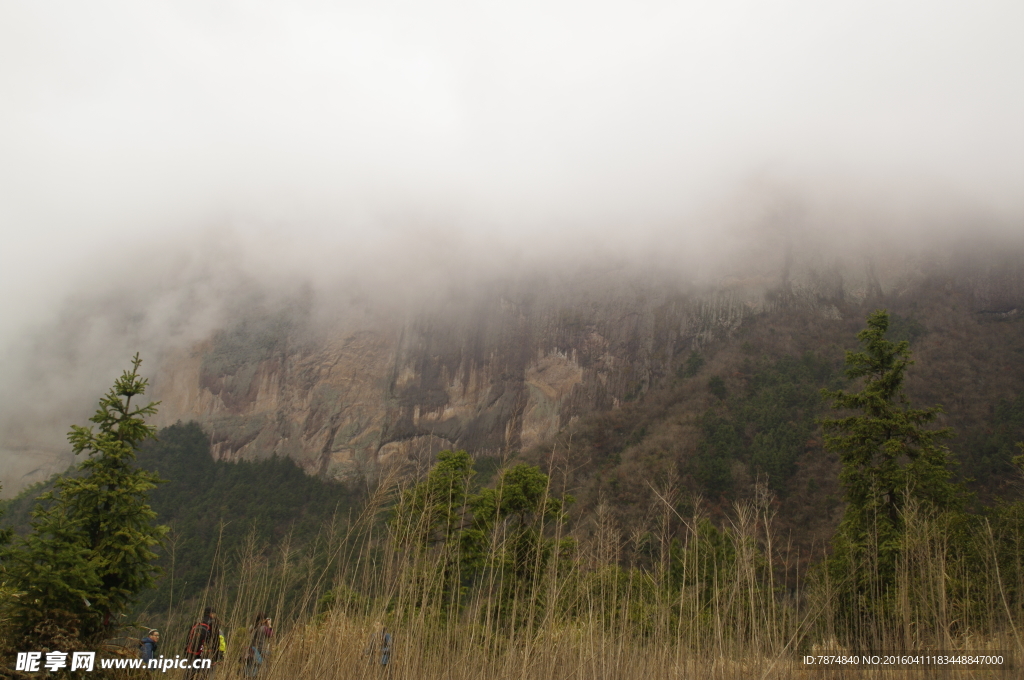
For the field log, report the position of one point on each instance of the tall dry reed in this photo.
(704, 602)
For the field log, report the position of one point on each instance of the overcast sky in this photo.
(313, 127)
(280, 134)
(147, 117)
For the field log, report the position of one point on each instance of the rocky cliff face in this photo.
(506, 368)
(507, 374)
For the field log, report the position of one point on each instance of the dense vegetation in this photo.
(894, 465)
(219, 507)
(487, 570)
(994, 446)
(746, 409)
(89, 551)
(766, 426)
(214, 509)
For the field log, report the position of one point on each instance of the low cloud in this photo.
(162, 163)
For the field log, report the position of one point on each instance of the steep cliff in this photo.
(506, 367)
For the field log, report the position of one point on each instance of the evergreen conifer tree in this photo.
(89, 553)
(6, 593)
(888, 460)
(5, 534)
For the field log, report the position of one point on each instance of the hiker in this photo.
(260, 633)
(385, 646)
(201, 643)
(382, 644)
(148, 645)
(218, 655)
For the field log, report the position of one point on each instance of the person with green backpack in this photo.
(218, 655)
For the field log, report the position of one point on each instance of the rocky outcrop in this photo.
(503, 369)
(506, 375)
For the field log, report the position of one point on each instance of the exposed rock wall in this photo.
(505, 368)
(507, 375)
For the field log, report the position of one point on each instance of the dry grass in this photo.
(683, 615)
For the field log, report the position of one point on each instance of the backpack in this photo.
(195, 644)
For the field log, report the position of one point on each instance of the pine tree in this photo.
(89, 553)
(5, 534)
(888, 460)
(6, 592)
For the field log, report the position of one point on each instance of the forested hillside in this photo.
(747, 408)
(676, 515)
(734, 412)
(218, 507)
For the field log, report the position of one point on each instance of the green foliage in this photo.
(707, 561)
(693, 364)
(507, 538)
(218, 507)
(1007, 535)
(495, 535)
(713, 561)
(780, 408)
(90, 551)
(619, 595)
(767, 426)
(716, 386)
(5, 534)
(485, 467)
(338, 597)
(520, 504)
(993, 447)
(889, 461)
(6, 592)
(721, 444)
(18, 510)
(431, 512)
(521, 496)
(902, 328)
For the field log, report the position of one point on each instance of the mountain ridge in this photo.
(507, 368)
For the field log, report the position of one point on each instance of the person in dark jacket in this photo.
(148, 645)
(260, 633)
(201, 643)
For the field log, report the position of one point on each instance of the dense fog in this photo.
(164, 164)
